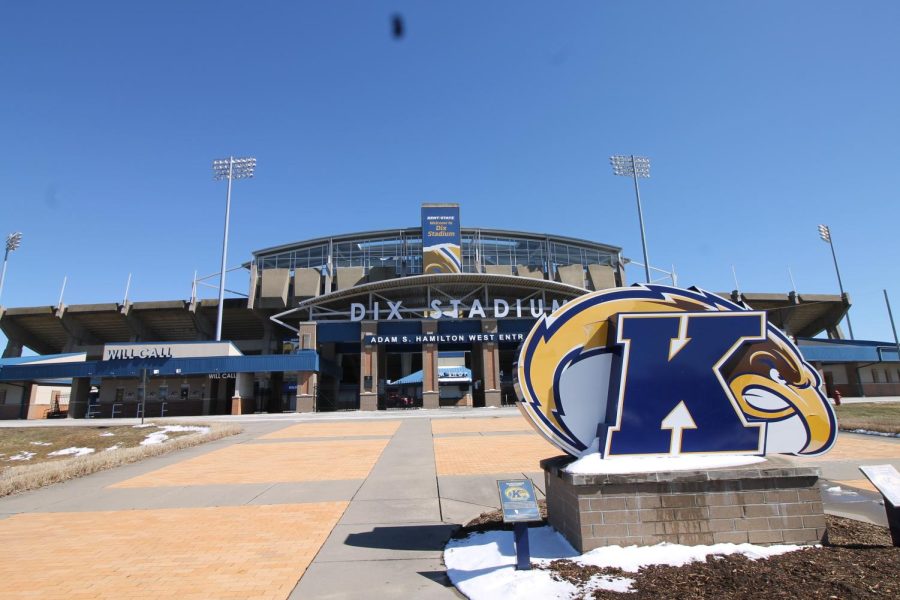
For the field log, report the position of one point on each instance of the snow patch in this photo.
(116, 447)
(839, 491)
(142, 426)
(632, 558)
(107, 434)
(594, 464)
(482, 566)
(870, 432)
(72, 451)
(41, 443)
(158, 437)
(22, 455)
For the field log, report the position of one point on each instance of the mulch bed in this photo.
(857, 562)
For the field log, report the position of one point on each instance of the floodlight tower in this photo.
(634, 167)
(825, 234)
(13, 241)
(230, 168)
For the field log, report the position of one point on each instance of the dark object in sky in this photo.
(397, 26)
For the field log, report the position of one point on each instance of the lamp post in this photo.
(230, 168)
(825, 234)
(891, 317)
(634, 167)
(13, 241)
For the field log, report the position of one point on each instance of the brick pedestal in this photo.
(760, 504)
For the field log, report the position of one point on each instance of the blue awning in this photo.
(304, 360)
(848, 351)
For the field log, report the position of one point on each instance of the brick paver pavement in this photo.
(269, 463)
(863, 484)
(182, 553)
(260, 551)
(857, 447)
(483, 455)
(443, 426)
(314, 430)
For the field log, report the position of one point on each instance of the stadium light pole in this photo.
(825, 234)
(634, 167)
(13, 241)
(230, 168)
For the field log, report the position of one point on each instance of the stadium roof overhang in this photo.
(799, 315)
(52, 329)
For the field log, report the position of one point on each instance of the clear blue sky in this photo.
(762, 120)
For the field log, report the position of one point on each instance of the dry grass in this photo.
(871, 416)
(28, 477)
(41, 442)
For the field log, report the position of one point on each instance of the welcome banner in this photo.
(441, 252)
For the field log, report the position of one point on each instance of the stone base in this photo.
(431, 400)
(241, 406)
(492, 398)
(305, 403)
(763, 505)
(368, 401)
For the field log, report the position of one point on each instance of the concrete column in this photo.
(853, 379)
(29, 394)
(368, 376)
(490, 358)
(327, 352)
(431, 397)
(242, 401)
(78, 397)
(13, 349)
(205, 386)
(307, 381)
(306, 391)
(263, 396)
(406, 363)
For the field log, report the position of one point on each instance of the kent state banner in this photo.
(658, 370)
(441, 239)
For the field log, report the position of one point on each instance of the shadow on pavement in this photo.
(422, 538)
(439, 577)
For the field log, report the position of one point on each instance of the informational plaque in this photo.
(886, 480)
(518, 501)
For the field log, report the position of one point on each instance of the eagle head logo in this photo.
(571, 375)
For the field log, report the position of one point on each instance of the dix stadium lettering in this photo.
(455, 309)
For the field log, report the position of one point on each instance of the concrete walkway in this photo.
(304, 506)
(391, 533)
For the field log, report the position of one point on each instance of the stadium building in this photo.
(429, 316)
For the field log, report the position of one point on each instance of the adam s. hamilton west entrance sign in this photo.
(657, 370)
